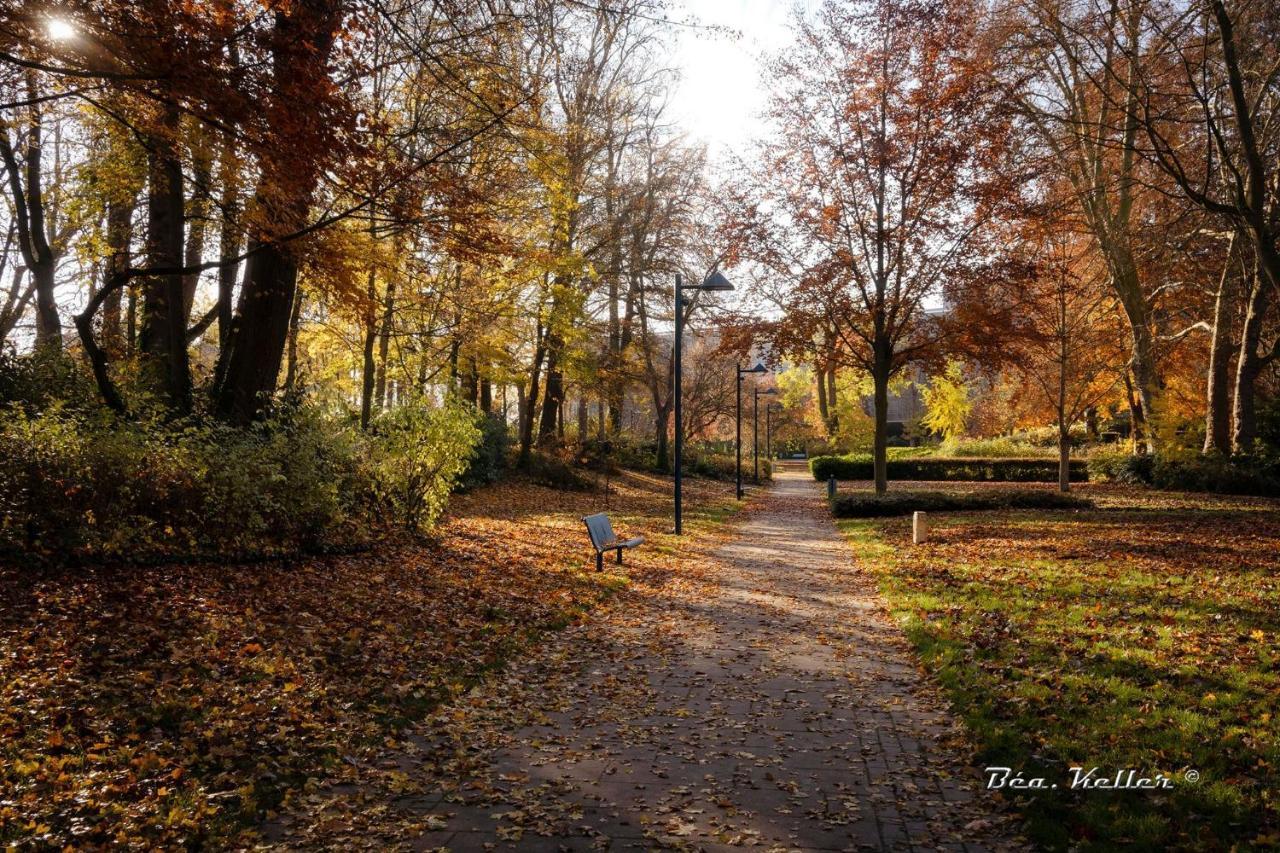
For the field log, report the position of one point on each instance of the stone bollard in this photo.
(831, 488)
(919, 528)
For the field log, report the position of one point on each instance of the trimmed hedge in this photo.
(1003, 470)
(870, 505)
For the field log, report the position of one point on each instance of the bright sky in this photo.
(721, 94)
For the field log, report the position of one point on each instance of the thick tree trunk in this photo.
(1244, 426)
(163, 339)
(486, 396)
(250, 363)
(880, 450)
(824, 408)
(662, 428)
(528, 410)
(553, 397)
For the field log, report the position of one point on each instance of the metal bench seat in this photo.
(604, 539)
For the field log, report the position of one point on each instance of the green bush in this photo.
(491, 456)
(870, 505)
(415, 457)
(80, 484)
(941, 468)
(723, 466)
(551, 471)
(994, 448)
(1121, 466)
(77, 485)
(1240, 475)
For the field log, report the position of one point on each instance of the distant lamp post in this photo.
(756, 394)
(715, 283)
(742, 372)
(768, 428)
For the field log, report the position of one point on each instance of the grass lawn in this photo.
(1143, 634)
(163, 707)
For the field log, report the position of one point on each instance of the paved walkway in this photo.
(765, 700)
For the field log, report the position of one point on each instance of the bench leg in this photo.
(599, 561)
(619, 556)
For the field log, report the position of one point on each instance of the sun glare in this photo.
(61, 29)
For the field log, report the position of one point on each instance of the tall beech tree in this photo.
(1077, 69)
(873, 188)
(1209, 98)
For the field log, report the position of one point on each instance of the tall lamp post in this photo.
(742, 372)
(768, 428)
(756, 393)
(712, 283)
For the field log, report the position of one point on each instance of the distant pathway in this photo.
(765, 700)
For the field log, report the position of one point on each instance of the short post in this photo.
(919, 528)
(831, 488)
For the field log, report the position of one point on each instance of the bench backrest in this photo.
(600, 530)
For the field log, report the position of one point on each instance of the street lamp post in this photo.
(755, 428)
(713, 283)
(742, 372)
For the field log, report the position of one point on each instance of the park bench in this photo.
(604, 539)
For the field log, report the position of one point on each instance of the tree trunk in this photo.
(249, 365)
(553, 398)
(1217, 420)
(528, 408)
(119, 235)
(367, 364)
(291, 351)
(486, 396)
(384, 344)
(880, 450)
(833, 423)
(662, 425)
(584, 423)
(1064, 453)
(824, 408)
(1244, 427)
(29, 213)
(163, 339)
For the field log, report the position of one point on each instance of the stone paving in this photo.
(765, 701)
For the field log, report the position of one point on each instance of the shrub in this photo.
(942, 468)
(723, 466)
(1120, 466)
(491, 455)
(1241, 475)
(79, 484)
(994, 448)
(870, 505)
(415, 457)
(1235, 476)
(551, 471)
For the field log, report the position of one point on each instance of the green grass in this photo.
(1139, 636)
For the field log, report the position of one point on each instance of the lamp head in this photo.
(716, 282)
